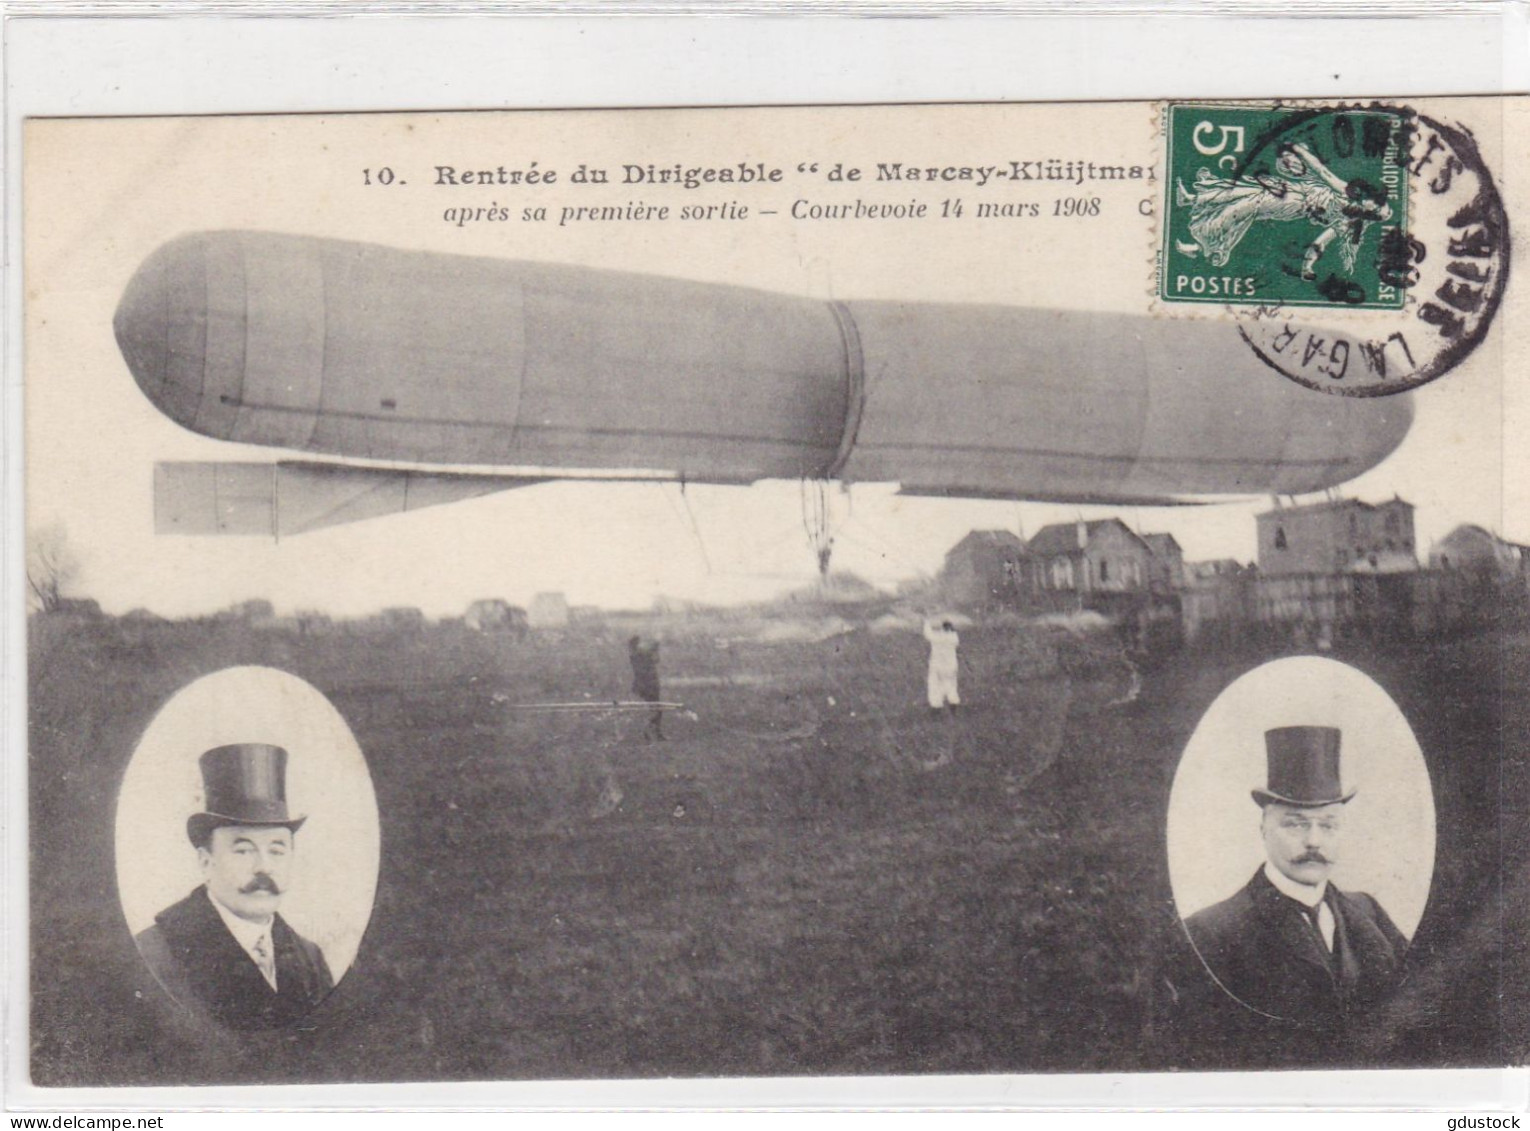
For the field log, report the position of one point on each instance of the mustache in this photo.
(1312, 858)
(261, 882)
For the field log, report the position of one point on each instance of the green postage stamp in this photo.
(1275, 205)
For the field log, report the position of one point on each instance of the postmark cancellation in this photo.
(1362, 249)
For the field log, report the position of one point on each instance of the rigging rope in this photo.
(688, 518)
(815, 521)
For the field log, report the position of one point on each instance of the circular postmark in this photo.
(1363, 250)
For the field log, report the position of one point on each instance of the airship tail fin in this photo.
(282, 499)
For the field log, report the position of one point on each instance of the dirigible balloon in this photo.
(432, 364)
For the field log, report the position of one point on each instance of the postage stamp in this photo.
(1383, 223)
(1265, 206)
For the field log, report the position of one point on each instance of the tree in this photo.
(51, 567)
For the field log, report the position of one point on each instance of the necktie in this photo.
(1322, 917)
(1325, 923)
(262, 953)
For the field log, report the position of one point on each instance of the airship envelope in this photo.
(434, 364)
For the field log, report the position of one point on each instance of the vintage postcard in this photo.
(877, 590)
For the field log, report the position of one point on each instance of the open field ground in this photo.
(785, 886)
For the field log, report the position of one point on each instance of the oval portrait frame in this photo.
(1213, 838)
(337, 852)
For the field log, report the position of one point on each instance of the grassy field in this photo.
(785, 886)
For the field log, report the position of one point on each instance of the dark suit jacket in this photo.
(197, 960)
(645, 671)
(1264, 950)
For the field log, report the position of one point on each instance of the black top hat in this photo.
(244, 784)
(1303, 767)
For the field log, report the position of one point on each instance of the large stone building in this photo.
(1338, 536)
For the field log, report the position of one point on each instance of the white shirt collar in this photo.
(1308, 894)
(245, 932)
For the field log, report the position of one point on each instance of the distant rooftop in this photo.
(1003, 538)
(1337, 504)
(1159, 543)
(1062, 537)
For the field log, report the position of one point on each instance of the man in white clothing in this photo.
(941, 684)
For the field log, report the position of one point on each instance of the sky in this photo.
(102, 195)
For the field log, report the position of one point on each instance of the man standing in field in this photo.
(644, 656)
(941, 684)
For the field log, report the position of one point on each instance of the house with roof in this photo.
(1166, 572)
(1337, 536)
(495, 615)
(1103, 556)
(987, 567)
(1209, 572)
(1473, 549)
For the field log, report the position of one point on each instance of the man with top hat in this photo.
(224, 947)
(1290, 944)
